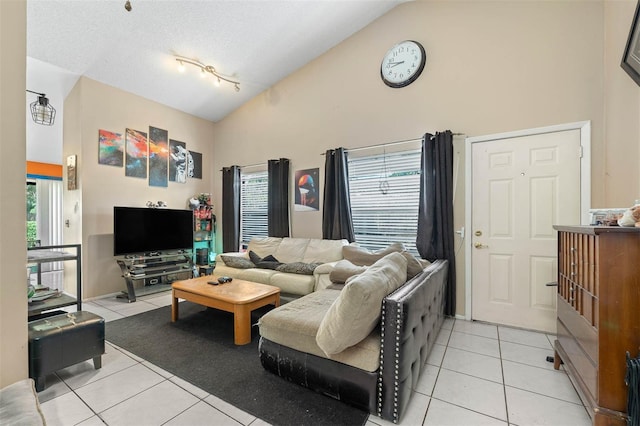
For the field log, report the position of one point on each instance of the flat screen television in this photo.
(146, 230)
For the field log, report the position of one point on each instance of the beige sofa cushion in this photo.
(414, 266)
(256, 275)
(296, 324)
(296, 284)
(362, 257)
(356, 312)
(343, 270)
(19, 404)
(291, 250)
(264, 246)
(324, 251)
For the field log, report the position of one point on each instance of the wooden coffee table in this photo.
(239, 297)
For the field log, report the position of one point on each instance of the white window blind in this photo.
(384, 191)
(253, 206)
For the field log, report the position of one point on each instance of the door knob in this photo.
(478, 245)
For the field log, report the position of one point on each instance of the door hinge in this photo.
(580, 151)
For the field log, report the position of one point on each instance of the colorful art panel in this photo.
(110, 148)
(136, 149)
(196, 171)
(178, 156)
(307, 196)
(158, 157)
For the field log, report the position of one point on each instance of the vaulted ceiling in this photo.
(256, 43)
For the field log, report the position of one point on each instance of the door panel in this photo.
(521, 187)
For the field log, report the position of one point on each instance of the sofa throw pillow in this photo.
(267, 262)
(356, 312)
(237, 262)
(343, 270)
(414, 266)
(298, 268)
(360, 256)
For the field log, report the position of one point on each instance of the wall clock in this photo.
(403, 64)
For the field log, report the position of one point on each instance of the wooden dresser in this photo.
(598, 314)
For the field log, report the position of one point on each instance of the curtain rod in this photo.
(251, 165)
(390, 143)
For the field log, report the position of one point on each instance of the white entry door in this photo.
(521, 187)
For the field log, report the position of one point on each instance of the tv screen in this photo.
(144, 230)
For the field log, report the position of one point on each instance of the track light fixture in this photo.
(218, 78)
(41, 111)
(127, 6)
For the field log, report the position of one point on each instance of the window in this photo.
(384, 192)
(32, 210)
(253, 206)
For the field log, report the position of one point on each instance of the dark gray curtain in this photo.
(336, 207)
(435, 215)
(230, 209)
(278, 202)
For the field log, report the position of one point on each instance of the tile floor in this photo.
(477, 374)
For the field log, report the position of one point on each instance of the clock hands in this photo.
(395, 64)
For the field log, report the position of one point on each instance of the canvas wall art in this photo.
(178, 156)
(158, 157)
(307, 196)
(72, 172)
(110, 148)
(136, 149)
(196, 171)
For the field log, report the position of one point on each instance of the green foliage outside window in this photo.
(32, 230)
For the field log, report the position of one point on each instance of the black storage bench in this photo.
(62, 340)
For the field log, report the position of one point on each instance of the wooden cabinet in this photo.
(598, 314)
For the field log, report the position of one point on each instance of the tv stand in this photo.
(156, 270)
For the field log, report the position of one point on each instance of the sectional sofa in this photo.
(365, 343)
(298, 266)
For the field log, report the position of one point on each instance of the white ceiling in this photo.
(254, 42)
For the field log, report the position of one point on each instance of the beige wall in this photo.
(92, 106)
(492, 67)
(13, 245)
(621, 148)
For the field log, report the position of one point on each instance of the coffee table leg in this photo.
(241, 325)
(174, 306)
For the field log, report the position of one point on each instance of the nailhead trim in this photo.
(383, 316)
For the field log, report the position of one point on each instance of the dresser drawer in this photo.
(585, 334)
(587, 370)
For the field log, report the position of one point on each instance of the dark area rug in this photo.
(199, 349)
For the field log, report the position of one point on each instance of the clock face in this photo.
(403, 63)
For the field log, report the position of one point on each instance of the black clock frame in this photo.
(413, 77)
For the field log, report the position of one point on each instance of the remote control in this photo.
(212, 282)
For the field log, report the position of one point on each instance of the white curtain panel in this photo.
(49, 217)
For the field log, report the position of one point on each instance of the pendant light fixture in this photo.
(41, 111)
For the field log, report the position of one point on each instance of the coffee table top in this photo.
(237, 291)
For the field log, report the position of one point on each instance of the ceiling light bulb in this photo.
(217, 82)
(203, 74)
(181, 66)
(237, 87)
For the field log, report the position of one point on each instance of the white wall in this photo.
(44, 143)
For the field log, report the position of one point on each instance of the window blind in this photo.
(384, 192)
(253, 206)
